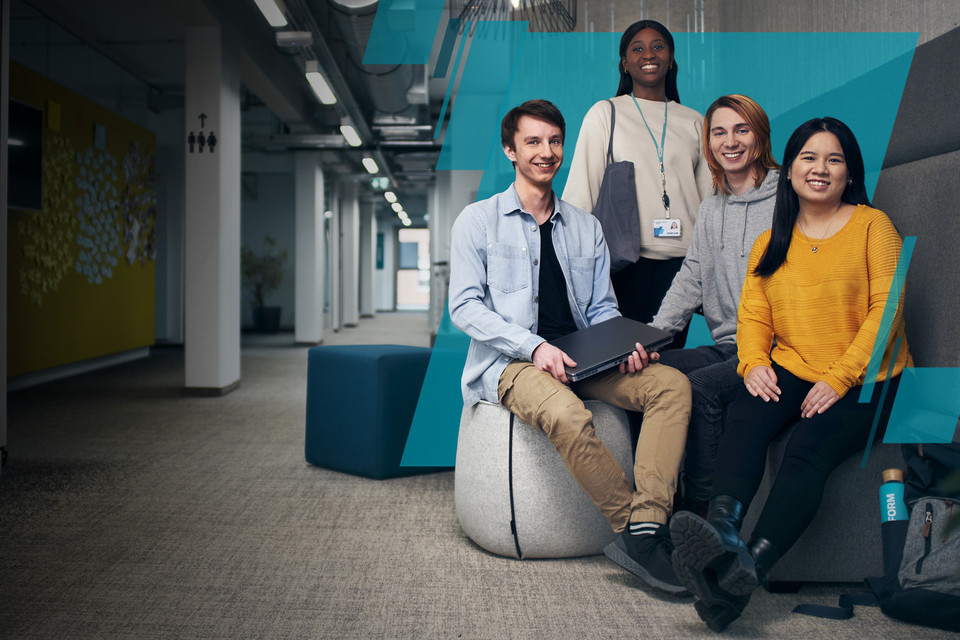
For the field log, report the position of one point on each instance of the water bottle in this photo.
(892, 506)
(894, 520)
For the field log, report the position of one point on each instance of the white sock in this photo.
(643, 528)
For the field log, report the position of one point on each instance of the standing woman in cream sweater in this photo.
(663, 140)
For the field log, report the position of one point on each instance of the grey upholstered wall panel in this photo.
(927, 124)
(923, 199)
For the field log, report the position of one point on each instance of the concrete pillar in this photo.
(386, 277)
(452, 191)
(212, 218)
(368, 257)
(309, 258)
(332, 277)
(437, 200)
(350, 255)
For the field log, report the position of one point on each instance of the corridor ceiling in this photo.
(395, 109)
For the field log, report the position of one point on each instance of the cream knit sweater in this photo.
(688, 177)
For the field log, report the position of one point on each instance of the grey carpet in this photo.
(128, 510)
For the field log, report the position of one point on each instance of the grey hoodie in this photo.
(715, 266)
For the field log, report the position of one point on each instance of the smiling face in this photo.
(733, 144)
(647, 60)
(819, 172)
(537, 151)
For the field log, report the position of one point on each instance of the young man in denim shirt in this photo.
(527, 268)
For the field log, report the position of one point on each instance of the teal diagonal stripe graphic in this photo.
(886, 321)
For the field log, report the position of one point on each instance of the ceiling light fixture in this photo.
(370, 165)
(294, 39)
(390, 196)
(542, 15)
(318, 83)
(407, 222)
(396, 206)
(350, 135)
(272, 10)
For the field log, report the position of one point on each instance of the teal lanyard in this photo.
(660, 148)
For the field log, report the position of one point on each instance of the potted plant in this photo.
(262, 273)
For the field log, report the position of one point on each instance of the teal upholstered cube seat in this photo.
(360, 402)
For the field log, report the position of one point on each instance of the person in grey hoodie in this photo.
(737, 149)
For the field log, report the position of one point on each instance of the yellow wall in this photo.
(82, 270)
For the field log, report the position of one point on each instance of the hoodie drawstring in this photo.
(743, 236)
(723, 218)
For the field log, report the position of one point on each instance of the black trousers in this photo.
(816, 447)
(640, 288)
(712, 371)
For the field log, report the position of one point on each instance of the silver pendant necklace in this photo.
(813, 247)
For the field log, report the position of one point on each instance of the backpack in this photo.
(921, 559)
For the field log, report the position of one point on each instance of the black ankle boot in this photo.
(725, 514)
(765, 555)
(735, 569)
(712, 561)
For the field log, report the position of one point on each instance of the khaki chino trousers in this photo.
(660, 392)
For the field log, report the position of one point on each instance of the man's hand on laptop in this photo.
(638, 360)
(547, 357)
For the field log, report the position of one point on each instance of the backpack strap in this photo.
(843, 610)
(613, 122)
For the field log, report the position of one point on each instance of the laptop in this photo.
(607, 344)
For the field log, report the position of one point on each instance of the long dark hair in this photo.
(626, 81)
(787, 205)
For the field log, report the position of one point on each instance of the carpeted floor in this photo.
(129, 510)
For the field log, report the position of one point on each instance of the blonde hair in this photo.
(756, 117)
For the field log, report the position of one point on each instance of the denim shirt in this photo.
(495, 280)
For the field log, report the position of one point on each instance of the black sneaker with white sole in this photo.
(647, 556)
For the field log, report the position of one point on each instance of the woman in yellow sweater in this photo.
(810, 312)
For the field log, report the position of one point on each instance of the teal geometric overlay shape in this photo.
(698, 334)
(432, 439)
(856, 77)
(794, 77)
(881, 402)
(449, 93)
(403, 32)
(927, 406)
(446, 50)
(474, 125)
(886, 320)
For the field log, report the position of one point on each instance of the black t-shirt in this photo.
(554, 317)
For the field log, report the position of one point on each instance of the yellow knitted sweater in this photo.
(823, 309)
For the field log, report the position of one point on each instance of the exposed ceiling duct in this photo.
(387, 85)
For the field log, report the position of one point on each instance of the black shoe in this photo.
(719, 616)
(699, 548)
(765, 555)
(647, 556)
(721, 578)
